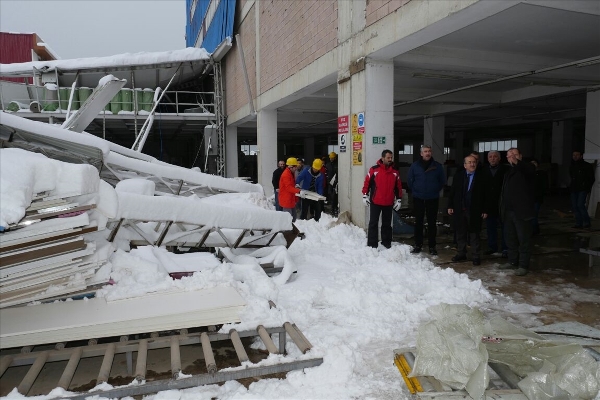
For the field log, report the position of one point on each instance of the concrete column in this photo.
(232, 149)
(562, 151)
(267, 148)
(309, 150)
(592, 146)
(379, 112)
(433, 135)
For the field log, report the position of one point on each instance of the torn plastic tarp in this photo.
(449, 349)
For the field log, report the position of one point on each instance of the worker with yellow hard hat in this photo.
(287, 188)
(312, 179)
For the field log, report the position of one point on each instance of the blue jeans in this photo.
(492, 223)
(578, 204)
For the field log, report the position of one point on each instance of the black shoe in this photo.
(476, 261)
(588, 226)
(433, 251)
(458, 258)
(505, 254)
(416, 250)
(577, 227)
(489, 252)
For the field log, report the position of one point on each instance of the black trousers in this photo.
(463, 236)
(518, 239)
(314, 206)
(421, 208)
(386, 226)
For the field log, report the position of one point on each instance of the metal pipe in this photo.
(106, 364)
(296, 338)
(67, 375)
(140, 363)
(5, 362)
(511, 379)
(266, 338)
(237, 345)
(175, 357)
(209, 357)
(243, 61)
(33, 372)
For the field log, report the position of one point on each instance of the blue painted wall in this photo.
(220, 27)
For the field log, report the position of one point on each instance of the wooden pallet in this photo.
(173, 341)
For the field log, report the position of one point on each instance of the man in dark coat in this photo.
(582, 180)
(517, 211)
(495, 176)
(468, 204)
(426, 178)
(275, 181)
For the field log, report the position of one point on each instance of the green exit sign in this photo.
(378, 139)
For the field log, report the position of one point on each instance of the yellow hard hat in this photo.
(332, 155)
(317, 164)
(292, 161)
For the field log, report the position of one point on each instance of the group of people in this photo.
(505, 196)
(292, 177)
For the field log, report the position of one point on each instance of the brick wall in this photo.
(377, 9)
(293, 34)
(235, 86)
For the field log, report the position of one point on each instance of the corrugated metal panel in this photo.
(209, 22)
(15, 48)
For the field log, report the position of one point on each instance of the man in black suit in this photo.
(517, 211)
(495, 175)
(468, 204)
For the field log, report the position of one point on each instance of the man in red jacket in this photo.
(288, 189)
(382, 192)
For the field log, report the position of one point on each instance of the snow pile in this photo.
(24, 174)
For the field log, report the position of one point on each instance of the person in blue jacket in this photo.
(426, 178)
(312, 179)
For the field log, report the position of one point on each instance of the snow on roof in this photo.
(119, 60)
(54, 131)
(49, 50)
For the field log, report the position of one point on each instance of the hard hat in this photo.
(292, 162)
(317, 164)
(332, 155)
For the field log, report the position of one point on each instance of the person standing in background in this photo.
(468, 204)
(332, 180)
(288, 189)
(495, 173)
(517, 211)
(275, 181)
(426, 178)
(382, 185)
(311, 179)
(582, 180)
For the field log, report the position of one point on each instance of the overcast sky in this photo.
(86, 28)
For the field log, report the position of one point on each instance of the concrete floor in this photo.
(559, 280)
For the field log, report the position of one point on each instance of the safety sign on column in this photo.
(358, 130)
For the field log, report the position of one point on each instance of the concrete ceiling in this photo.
(524, 37)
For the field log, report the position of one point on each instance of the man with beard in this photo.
(426, 178)
(495, 174)
(382, 193)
